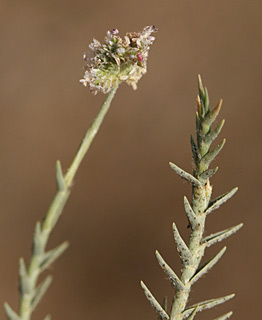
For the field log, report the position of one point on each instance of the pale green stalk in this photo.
(30, 292)
(192, 253)
(117, 60)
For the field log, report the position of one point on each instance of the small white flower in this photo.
(117, 60)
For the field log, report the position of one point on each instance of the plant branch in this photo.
(191, 254)
(30, 293)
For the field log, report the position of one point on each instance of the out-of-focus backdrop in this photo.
(125, 196)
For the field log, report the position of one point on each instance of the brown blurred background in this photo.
(125, 196)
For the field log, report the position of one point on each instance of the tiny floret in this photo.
(117, 60)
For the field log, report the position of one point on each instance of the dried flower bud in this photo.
(118, 60)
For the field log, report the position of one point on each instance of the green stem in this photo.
(54, 212)
(200, 202)
(91, 133)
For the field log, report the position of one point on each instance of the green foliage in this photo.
(192, 253)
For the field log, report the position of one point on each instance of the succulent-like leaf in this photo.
(225, 316)
(185, 175)
(162, 313)
(204, 269)
(192, 218)
(40, 291)
(203, 96)
(164, 306)
(220, 200)
(192, 315)
(50, 256)
(212, 135)
(11, 315)
(24, 280)
(221, 235)
(208, 174)
(194, 149)
(208, 304)
(210, 156)
(212, 115)
(38, 247)
(182, 248)
(169, 272)
(61, 185)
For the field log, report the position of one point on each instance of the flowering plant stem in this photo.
(30, 292)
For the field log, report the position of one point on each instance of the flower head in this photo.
(117, 60)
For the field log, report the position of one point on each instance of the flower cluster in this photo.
(117, 60)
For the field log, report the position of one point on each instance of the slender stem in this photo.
(91, 133)
(54, 212)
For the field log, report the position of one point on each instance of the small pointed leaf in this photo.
(208, 173)
(61, 185)
(162, 313)
(192, 218)
(192, 315)
(22, 268)
(208, 304)
(40, 291)
(221, 235)
(48, 317)
(11, 315)
(204, 269)
(164, 306)
(24, 280)
(169, 272)
(38, 247)
(212, 115)
(201, 89)
(185, 175)
(210, 156)
(182, 248)
(194, 149)
(206, 101)
(52, 255)
(225, 316)
(220, 200)
(212, 135)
